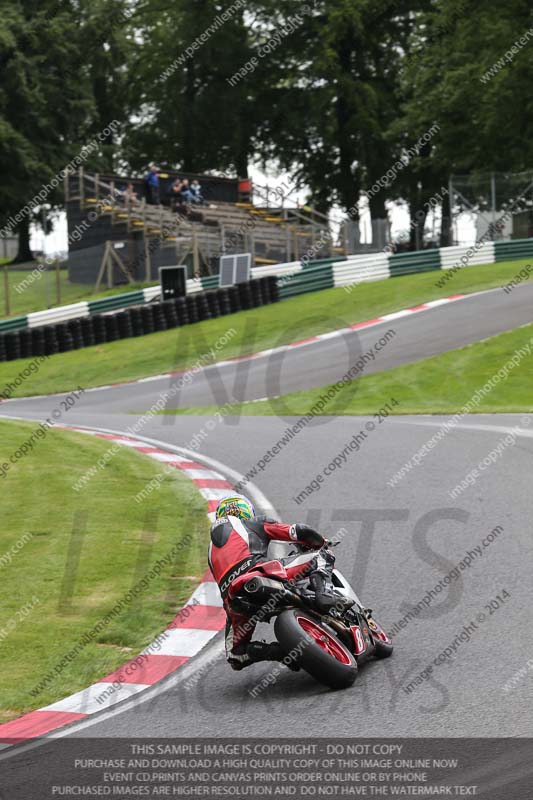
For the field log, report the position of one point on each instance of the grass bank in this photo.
(67, 557)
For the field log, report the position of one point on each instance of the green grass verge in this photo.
(255, 330)
(439, 385)
(41, 293)
(81, 553)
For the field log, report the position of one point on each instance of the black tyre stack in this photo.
(125, 330)
(256, 290)
(234, 299)
(74, 326)
(38, 347)
(192, 310)
(245, 295)
(274, 288)
(202, 307)
(224, 302)
(182, 310)
(147, 315)
(169, 310)
(87, 331)
(101, 328)
(213, 301)
(100, 336)
(12, 345)
(265, 289)
(160, 323)
(64, 338)
(51, 345)
(26, 350)
(136, 322)
(111, 328)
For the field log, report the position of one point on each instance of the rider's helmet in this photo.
(235, 505)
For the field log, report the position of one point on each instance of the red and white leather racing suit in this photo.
(236, 547)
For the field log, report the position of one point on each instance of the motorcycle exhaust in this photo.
(263, 586)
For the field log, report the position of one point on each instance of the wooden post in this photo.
(147, 259)
(102, 268)
(252, 246)
(195, 255)
(58, 282)
(6, 284)
(81, 186)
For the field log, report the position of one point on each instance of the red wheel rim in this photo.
(325, 640)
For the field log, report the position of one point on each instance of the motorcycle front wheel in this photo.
(314, 646)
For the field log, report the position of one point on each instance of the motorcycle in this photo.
(330, 646)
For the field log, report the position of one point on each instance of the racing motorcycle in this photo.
(331, 645)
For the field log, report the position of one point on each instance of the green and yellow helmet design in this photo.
(235, 505)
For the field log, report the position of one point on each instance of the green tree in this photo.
(52, 98)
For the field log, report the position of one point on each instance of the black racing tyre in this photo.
(2, 348)
(383, 650)
(316, 648)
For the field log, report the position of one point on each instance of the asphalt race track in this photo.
(397, 544)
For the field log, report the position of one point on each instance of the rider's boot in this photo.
(322, 586)
(261, 651)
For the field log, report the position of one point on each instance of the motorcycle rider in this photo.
(239, 541)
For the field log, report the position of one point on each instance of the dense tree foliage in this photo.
(335, 91)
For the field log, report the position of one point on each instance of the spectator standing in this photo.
(151, 182)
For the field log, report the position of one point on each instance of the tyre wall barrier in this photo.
(76, 333)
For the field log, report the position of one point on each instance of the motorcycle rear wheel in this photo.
(316, 648)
